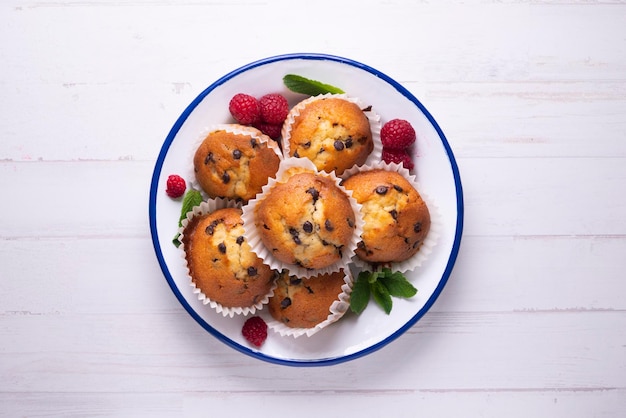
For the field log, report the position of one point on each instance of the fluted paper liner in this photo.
(204, 208)
(233, 128)
(288, 167)
(435, 221)
(373, 117)
(336, 310)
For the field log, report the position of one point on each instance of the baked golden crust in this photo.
(306, 220)
(220, 261)
(396, 217)
(304, 303)
(332, 132)
(235, 165)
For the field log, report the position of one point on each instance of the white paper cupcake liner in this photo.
(204, 208)
(337, 310)
(373, 117)
(233, 128)
(290, 166)
(434, 232)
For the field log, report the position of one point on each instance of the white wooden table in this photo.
(532, 98)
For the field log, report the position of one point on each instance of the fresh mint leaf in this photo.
(360, 295)
(192, 198)
(381, 296)
(381, 285)
(397, 285)
(299, 84)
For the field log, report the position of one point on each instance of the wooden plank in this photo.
(330, 402)
(509, 41)
(78, 199)
(533, 351)
(544, 196)
(529, 119)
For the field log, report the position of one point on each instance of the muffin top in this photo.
(235, 162)
(305, 302)
(332, 132)
(307, 221)
(220, 261)
(396, 217)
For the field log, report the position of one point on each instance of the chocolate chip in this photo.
(339, 146)
(253, 143)
(381, 190)
(209, 158)
(416, 244)
(266, 227)
(394, 214)
(236, 154)
(309, 289)
(308, 227)
(314, 194)
(285, 303)
(307, 145)
(417, 227)
(221, 247)
(349, 142)
(398, 188)
(252, 271)
(240, 240)
(294, 281)
(328, 225)
(294, 233)
(295, 154)
(226, 178)
(350, 222)
(209, 230)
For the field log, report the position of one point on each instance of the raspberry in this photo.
(398, 156)
(175, 186)
(274, 108)
(397, 134)
(255, 330)
(271, 130)
(245, 109)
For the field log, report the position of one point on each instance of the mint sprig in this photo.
(303, 85)
(381, 286)
(192, 198)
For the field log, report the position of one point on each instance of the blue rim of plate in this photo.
(325, 361)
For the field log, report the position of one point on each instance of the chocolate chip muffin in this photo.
(307, 221)
(305, 302)
(220, 262)
(396, 217)
(333, 132)
(235, 162)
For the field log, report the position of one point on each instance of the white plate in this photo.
(436, 171)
